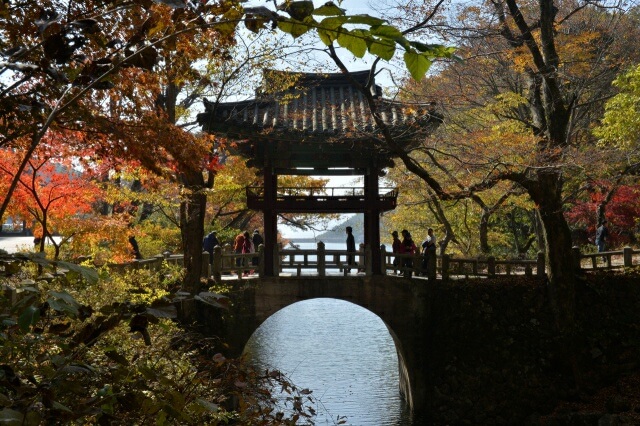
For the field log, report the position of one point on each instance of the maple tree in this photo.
(51, 193)
(623, 209)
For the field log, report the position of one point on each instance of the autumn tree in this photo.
(51, 192)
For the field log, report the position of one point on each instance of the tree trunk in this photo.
(559, 265)
(192, 214)
(557, 238)
(484, 231)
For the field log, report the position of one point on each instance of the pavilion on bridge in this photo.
(319, 124)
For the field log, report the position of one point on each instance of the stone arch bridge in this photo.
(456, 341)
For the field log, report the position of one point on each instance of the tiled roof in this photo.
(318, 105)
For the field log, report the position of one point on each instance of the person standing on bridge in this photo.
(408, 247)
(351, 248)
(257, 240)
(247, 248)
(396, 247)
(238, 243)
(429, 255)
(602, 233)
(208, 244)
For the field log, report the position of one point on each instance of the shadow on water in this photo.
(340, 351)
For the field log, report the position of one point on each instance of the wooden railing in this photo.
(322, 262)
(625, 258)
(454, 267)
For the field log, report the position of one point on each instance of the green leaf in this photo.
(117, 357)
(229, 22)
(386, 31)
(327, 36)
(213, 299)
(435, 50)
(328, 9)
(57, 406)
(11, 417)
(208, 405)
(417, 64)
(168, 311)
(365, 20)
(384, 49)
(354, 42)
(333, 23)
(29, 316)
(63, 302)
(295, 28)
(148, 373)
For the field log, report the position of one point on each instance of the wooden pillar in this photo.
(372, 219)
(270, 221)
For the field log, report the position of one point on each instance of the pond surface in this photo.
(340, 351)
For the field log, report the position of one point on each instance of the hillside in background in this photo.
(338, 233)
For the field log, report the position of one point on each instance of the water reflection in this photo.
(340, 351)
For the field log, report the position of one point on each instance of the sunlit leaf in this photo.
(417, 64)
(353, 41)
(89, 274)
(327, 36)
(365, 20)
(385, 49)
(229, 21)
(386, 31)
(328, 9)
(333, 22)
(295, 28)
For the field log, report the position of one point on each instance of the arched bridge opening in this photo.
(340, 351)
(398, 303)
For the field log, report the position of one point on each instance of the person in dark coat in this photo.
(351, 248)
(396, 247)
(429, 255)
(134, 247)
(257, 240)
(209, 243)
(602, 234)
(408, 247)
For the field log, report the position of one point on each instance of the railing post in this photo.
(368, 253)
(491, 266)
(446, 263)
(417, 263)
(261, 261)
(322, 263)
(383, 258)
(575, 253)
(276, 261)
(627, 256)
(540, 265)
(204, 271)
(228, 262)
(216, 266)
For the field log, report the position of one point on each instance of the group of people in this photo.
(243, 243)
(408, 246)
